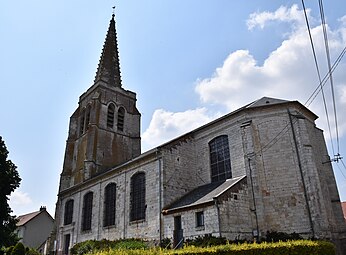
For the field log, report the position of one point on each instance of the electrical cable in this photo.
(323, 21)
(319, 76)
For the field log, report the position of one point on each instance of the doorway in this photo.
(178, 236)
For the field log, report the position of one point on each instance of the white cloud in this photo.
(289, 72)
(167, 125)
(20, 198)
(283, 14)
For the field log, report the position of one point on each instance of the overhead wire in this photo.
(344, 168)
(319, 76)
(325, 35)
(311, 98)
(325, 79)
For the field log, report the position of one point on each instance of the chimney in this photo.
(42, 208)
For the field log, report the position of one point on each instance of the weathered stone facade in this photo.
(281, 177)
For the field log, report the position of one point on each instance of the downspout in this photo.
(218, 215)
(301, 174)
(79, 226)
(99, 223)
(254, 201)
(160, 197)
(124, 207)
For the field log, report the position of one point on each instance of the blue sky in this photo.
(188, 61)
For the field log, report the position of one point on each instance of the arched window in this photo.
(137, 197)
(109, 205)
(87, 117)
(110, 115)
(68, 214)
(121, 119)
(87, 211)
(81, 122)
(220, 163)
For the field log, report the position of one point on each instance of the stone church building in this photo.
(263, 167)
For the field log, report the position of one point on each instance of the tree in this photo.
(9, 181)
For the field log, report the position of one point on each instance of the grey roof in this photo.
(266, 101)
(204, 194)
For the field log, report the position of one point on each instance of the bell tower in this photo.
(104, 130)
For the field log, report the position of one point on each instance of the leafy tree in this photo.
(9, 181)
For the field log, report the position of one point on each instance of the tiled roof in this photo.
(23, 219)
(204, 194)
(343, 205)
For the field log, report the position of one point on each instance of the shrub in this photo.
(166, 243)
(206, 241)
(18, 249)
(95, 246)
(274, 236)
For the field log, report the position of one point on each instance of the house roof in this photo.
(343, 205)
(204, 194)
(23, 219)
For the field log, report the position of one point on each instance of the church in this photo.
(263, 167)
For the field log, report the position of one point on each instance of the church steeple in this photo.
(109, 68)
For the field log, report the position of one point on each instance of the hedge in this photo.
(299, 247)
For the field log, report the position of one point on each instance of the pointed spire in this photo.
(109, 68)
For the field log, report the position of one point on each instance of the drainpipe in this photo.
(160, 196)
(124, 207)
(218, 215)
(253, 199)
(301, 174)
(99, 218)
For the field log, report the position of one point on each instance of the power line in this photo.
(325, 79)
(323, 21)
(319, 76)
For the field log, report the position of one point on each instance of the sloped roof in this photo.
(343, 205)
(204, 194)
(266, 101)
(23, 219)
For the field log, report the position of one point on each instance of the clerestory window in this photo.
(109, 205)
(68, 214)
(220, 163)
(110, 115)
(87, 211)
(137, 197)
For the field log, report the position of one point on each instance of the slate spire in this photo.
(109, 68)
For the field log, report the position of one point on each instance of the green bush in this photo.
(95, 246)
(300, 247)
(18, 249)
(8, 250)
(166, 243)
(274, 236)
(206, 241)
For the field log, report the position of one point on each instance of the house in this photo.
(35, 228)
(343, 205)
(263, 167)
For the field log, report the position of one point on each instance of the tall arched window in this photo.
(68, 214)
(110, 115)
(220, 163)
(109, 205)
(81, 122)
(87, 117)
(87, 211)
(121, 119)
(137, 197)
